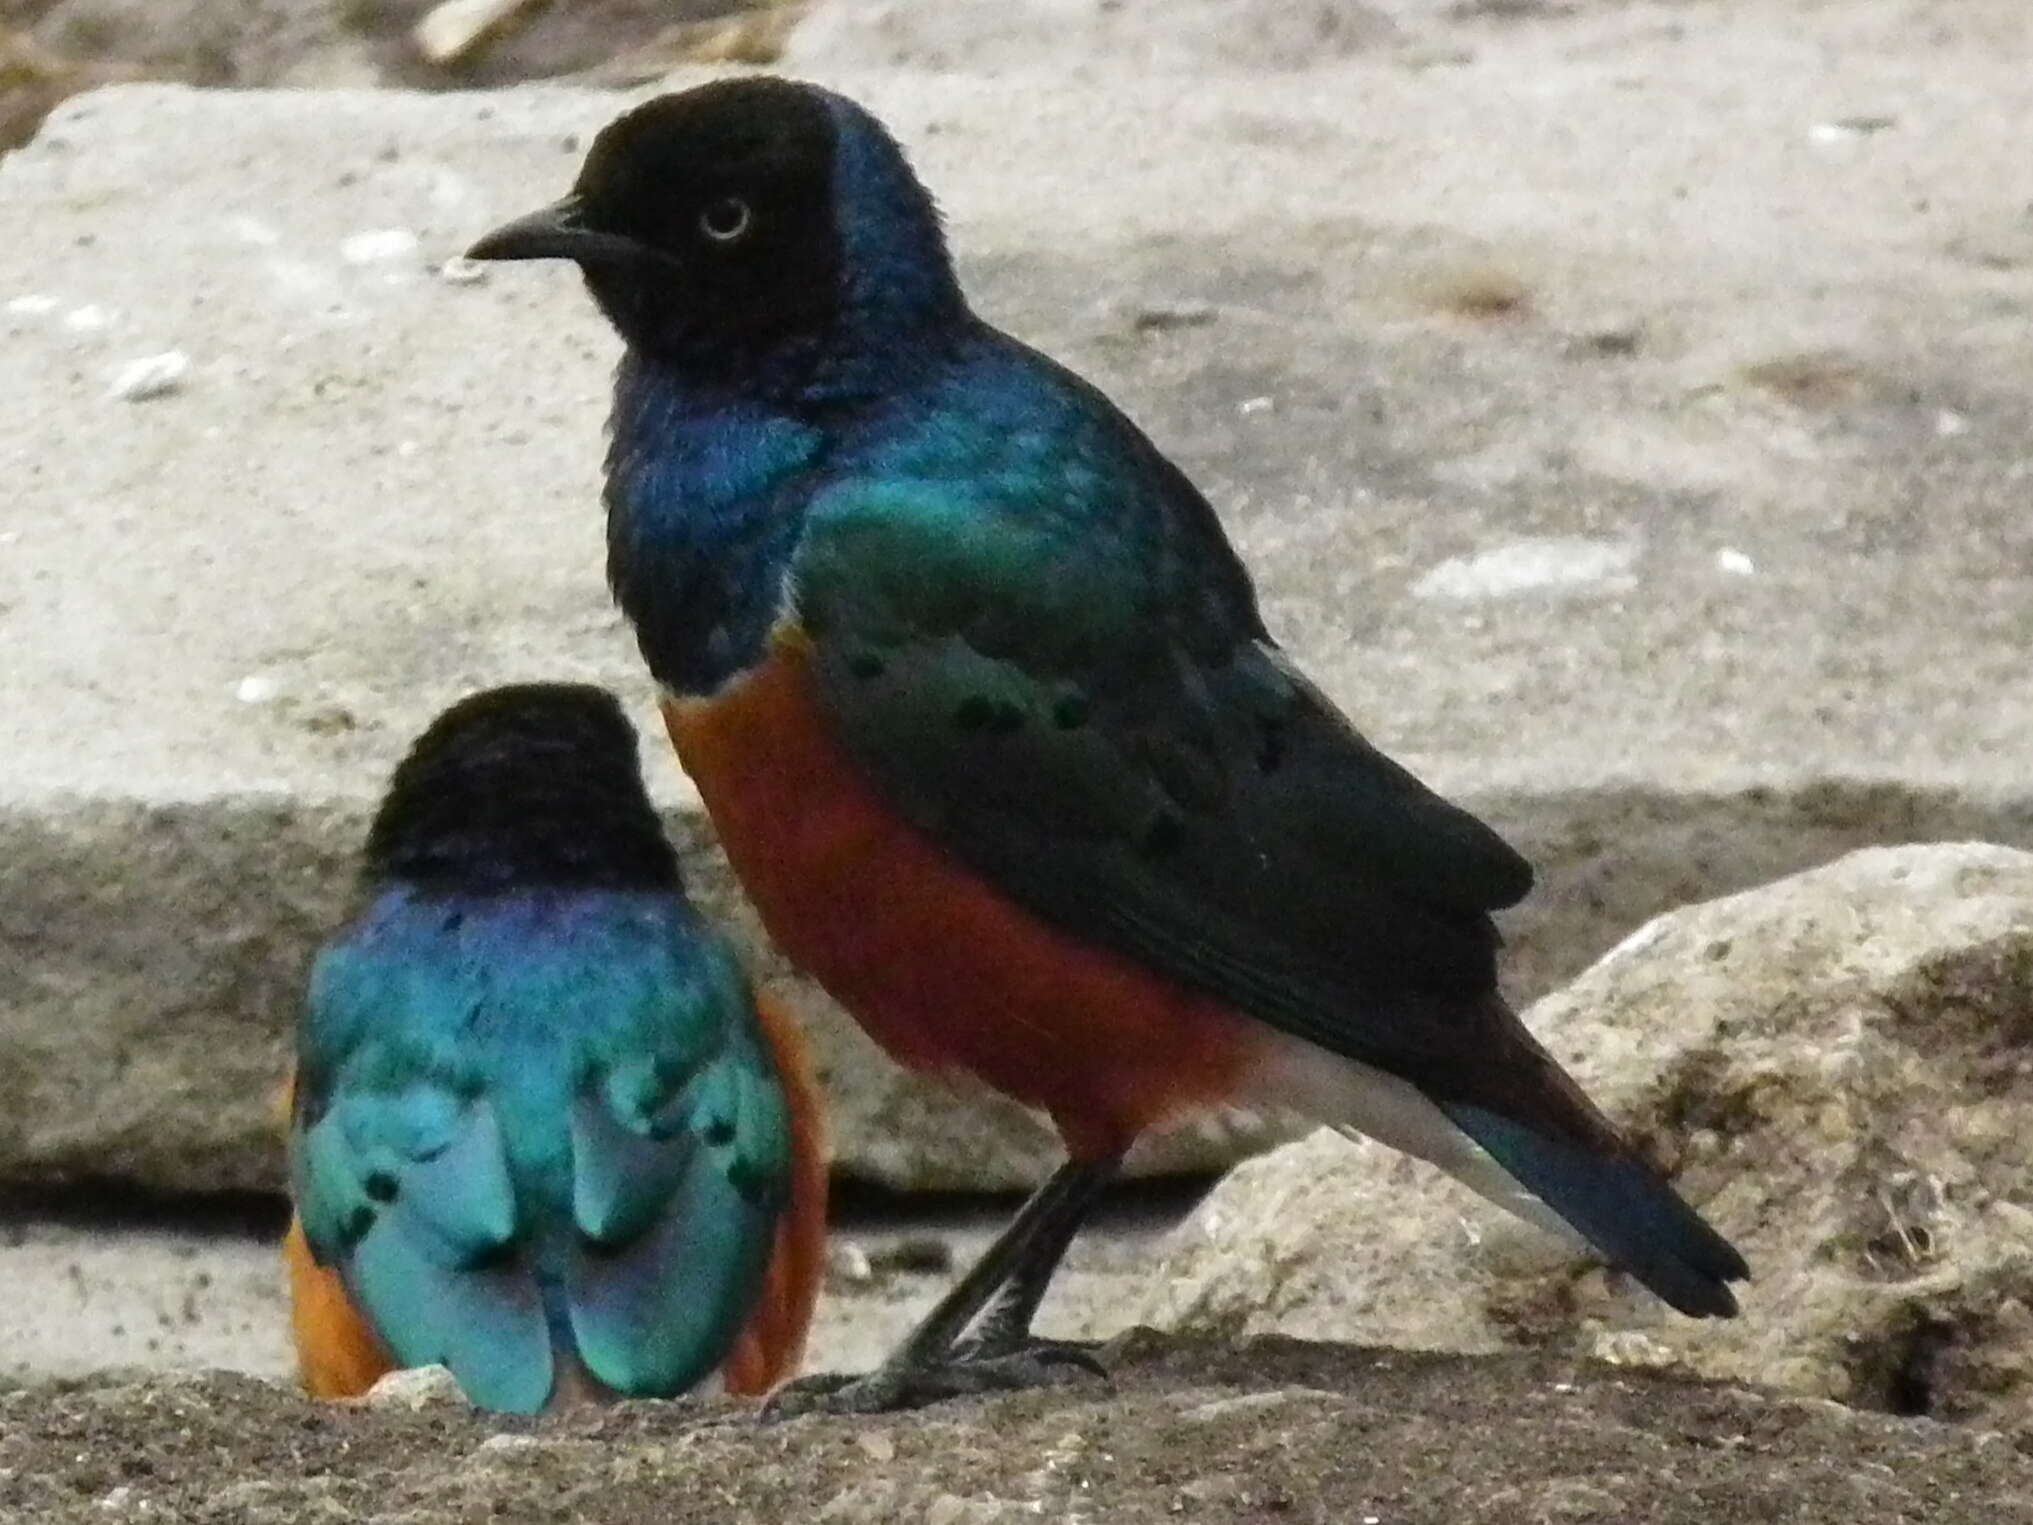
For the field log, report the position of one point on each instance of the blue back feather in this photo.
(540, 1123)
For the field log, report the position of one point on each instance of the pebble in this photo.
(150, 376)
(1158, 317)
(1735, 562)
(1844, 129)
(1549, 563)
(914, 1255)
(252, 230)
(415, 1388)
(377, 246)
(847, 1261)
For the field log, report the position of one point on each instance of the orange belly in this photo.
(340, 1356)
(941, 969)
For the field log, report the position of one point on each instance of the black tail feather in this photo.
(1622, 1207)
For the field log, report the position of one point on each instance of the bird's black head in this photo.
(731, 223)
(525, 785)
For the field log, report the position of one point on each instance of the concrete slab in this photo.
(1627, 419)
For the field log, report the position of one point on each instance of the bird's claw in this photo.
(965, 1373)
(1042, 1353)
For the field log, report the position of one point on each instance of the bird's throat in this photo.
(704, 512)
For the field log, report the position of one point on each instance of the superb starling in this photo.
(541, 1132)
(978, 696)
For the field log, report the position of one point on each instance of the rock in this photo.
(1272, 1430)
(384, 494)
(202, 41)
(415, 1389)
(149, 376)
(451, 29)
(34, 78)
(1837, 1068)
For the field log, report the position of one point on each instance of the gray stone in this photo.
(223, 611)
(1837, 1070)
(1190, 1430)
(418, 1388)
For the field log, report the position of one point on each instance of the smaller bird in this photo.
(541, 1131)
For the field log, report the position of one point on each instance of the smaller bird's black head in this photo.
(743, 217)
(528, 784)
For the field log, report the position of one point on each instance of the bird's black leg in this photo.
(927, 1367)
(1005, 1329)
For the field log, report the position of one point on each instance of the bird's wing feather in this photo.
(679, 1177)
(401, 1176)
(1076, 698)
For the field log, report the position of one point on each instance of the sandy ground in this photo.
(187, 1287)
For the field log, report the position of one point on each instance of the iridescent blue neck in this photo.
(702, 520)
(716, 440)
(897, 277)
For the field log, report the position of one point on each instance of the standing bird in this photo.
(979, 699)
(541, 1133)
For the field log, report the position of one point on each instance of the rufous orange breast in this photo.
(942, 969)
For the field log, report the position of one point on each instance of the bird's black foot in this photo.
(897, 1385)
(992, 1346)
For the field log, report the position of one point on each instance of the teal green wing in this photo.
(1034, 640)
(511, 1146)
(680, 1173)
(1083, 706)
(401, 1175)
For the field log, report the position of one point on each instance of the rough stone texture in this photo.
(33, 79)
(1589, 305)
(1314, 1435)
(1838, 1068)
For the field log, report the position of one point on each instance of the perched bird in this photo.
(541, 1133)
(978, 696)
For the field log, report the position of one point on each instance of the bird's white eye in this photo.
(725, 220)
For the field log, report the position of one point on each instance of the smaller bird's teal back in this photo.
(538, 1129)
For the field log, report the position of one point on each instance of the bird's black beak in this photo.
(558, 231)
